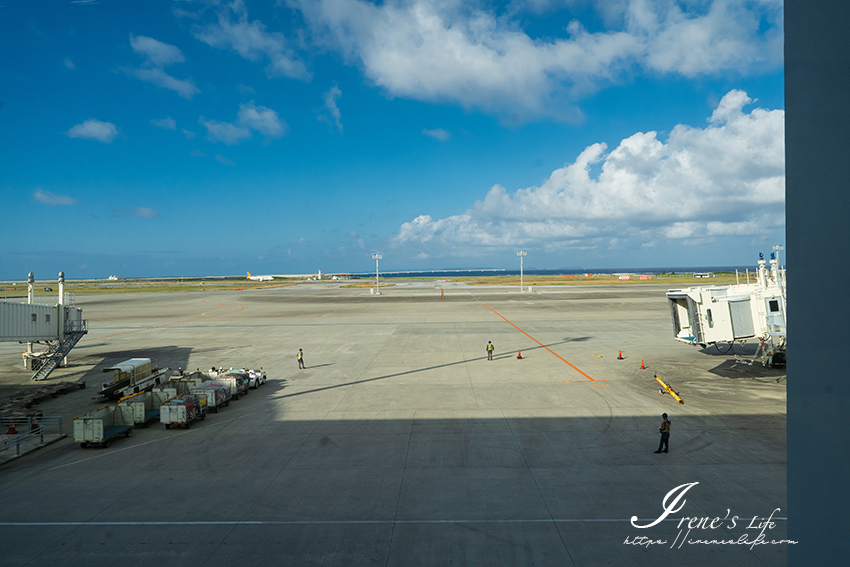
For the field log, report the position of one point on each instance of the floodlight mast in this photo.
(521, 253)
(377, 257)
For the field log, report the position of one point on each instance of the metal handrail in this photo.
(27, 421)
(72, 327)
(20, 438)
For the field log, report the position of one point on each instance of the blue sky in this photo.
(156, 138)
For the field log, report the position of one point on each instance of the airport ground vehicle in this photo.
(131, 377)
(256, 378)
(183, 410)
(100, 426)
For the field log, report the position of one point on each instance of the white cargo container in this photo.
(145, 405)
(218, 395)
(183, 410)
(237, 385)
(99, 426)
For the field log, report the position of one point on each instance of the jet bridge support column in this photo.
(30, 293)
(61, 314)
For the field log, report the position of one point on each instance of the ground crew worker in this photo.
(490, 349)
(665, 434)
(300, 357)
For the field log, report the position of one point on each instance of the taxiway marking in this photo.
(570, 364)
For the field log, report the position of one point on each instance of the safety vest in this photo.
(299, 355)
(665, 426)
(490, 346)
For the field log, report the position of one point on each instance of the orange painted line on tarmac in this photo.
(147, 328)
(570, 364)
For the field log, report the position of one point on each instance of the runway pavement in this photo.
(400, 444)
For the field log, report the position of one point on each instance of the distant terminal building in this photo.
(702, 275)
(113, 278)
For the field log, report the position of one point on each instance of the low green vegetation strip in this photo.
(141, 286)
(672, 280)
(17, 289)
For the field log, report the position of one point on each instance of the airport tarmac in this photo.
(401, 444)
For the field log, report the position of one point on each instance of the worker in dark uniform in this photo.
(300, 357)
(665, 434)
(490, 349)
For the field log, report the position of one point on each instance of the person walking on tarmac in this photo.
(490, 349)
(665, 434)
(300, 357)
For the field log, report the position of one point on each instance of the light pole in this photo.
(776, 249)
(377, 257)
(521, 253)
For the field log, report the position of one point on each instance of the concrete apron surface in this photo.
(401, 444)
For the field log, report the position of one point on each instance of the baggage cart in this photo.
(100, 426)
(218, 395)
(145, 405)
(183, 410)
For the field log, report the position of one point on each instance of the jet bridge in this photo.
(714, 315)
(59, 326)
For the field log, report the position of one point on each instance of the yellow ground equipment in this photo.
(668, 389)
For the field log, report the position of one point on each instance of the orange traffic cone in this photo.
(519, 354)
(620, 355)
(12, 430)
(642, 367)
(34, 424)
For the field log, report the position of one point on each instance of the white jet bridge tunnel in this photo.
(59, 326)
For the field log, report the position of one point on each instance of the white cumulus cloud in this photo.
(167, 123)
(48, 198)
(249, 117)
(93, 129)
(437, 133)
(158, 55)
(466, 53)
(263, 120)
(330, 112)
(727, 179)
(224, 161)
(252, 40)
(225, 132)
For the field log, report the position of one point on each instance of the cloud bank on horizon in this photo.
(725, 179)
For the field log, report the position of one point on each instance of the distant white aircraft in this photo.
(259, 278)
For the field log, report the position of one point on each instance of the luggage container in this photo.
(243, 381)
(99, 426)
(145, 405)
(238, 383)
(193, 379)
(183, 410)
(218, 395)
